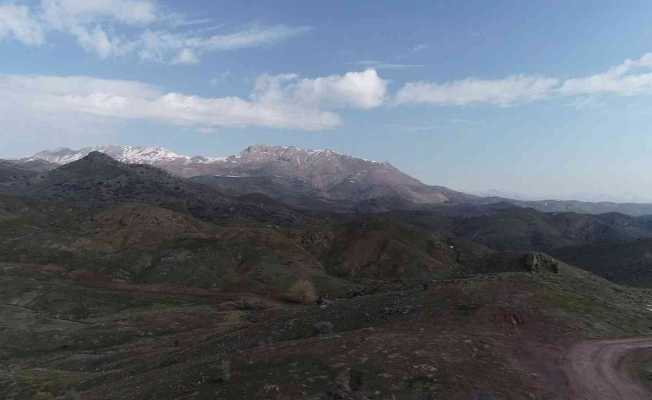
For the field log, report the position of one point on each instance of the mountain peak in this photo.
(98, 157)
(92, 163)
(267, 151)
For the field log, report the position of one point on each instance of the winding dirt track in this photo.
(597, 370)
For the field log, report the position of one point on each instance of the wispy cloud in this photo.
(502, 92)
(112, 28)
(285, 101)
(385, 65)
(18, 23)
(632, 77)
(419, 47)
(220, 78)
(162, 46)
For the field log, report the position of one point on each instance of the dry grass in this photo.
(302, 291)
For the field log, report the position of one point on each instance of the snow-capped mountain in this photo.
(302, 178)
(126, 154)
(278, 171)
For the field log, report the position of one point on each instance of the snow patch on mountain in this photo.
(126, 154)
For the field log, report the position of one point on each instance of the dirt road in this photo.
(598, 370)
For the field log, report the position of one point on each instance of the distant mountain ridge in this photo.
(127, 154)
(305, 178)
(300, 177)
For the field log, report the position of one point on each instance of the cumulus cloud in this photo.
(502, 92)
(362, 90)
(112, 28)
(277, 101)
(17, 22)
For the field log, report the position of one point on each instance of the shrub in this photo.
(302, 291)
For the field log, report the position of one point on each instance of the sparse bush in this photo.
(43, 396)
(302, 291)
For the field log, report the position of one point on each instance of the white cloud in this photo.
(186, 56)
(112, 28)
(282, 102)
(17, 22)
(97, 40)
(163, 46)
(502, 92)
(93, 22)
(632, 77)
(363, 90)
(248, 38)
(64, 13)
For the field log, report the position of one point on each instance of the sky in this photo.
(538, 99)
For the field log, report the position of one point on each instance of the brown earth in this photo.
(602, 370)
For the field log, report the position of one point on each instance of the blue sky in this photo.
(541, 98)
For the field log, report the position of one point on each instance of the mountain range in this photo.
(307, 179)
(321, 179)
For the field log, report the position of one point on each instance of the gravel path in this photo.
(597, 370)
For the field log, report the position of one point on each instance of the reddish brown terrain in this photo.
(500, 337)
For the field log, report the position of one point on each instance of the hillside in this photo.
(98, 180)
(80, 335)
(399, 249)
(15, 174)
(628, 263)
